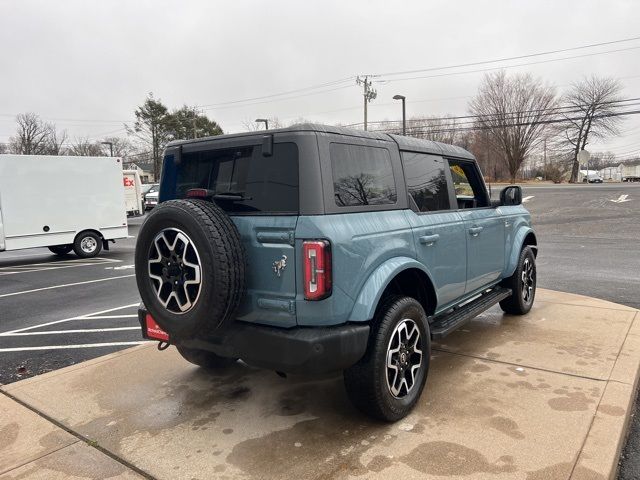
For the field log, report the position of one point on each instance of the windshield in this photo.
(242, 179)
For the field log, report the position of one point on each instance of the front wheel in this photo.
(87, 244)
(387, 382)
(522, 284)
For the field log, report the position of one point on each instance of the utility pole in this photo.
(368, 94)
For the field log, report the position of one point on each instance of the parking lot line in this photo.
(65, 285)
(79, 317)
(64, 347)
(78, 330)
(46, 266)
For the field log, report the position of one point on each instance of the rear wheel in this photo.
(388, 381)
(522, 284)
(87, 244)
(61, 249)
(205, 359)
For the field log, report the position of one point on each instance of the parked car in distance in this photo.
(317, 249)
(151, 196)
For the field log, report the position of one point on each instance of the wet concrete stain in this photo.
(570, 401)
(561, 471)
(479, 367)
(453, 459)
(9, 434)
(611, 410)
(333, 456)
(507, 426)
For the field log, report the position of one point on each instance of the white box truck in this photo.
(63, 203)
(132, 192)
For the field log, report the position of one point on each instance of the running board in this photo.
(445, 323)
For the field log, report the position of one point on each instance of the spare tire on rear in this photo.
(190, 267)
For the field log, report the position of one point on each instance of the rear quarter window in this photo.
(252, 183)
(362, 175)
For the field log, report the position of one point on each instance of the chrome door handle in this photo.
(429, 240)
(474, 231)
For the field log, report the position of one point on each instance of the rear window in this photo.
(246, 181)
(362, 175)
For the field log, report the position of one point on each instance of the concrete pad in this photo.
(77, 461)
(553, 296)
(505, 398)
(25, 436)
(563, 338)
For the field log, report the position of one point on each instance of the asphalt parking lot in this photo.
(57, 311)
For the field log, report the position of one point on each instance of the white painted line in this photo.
(46, 266)
(621, 199)
(65, 285)
(79, 317)
(65, 347)
(104, 317)
(526, 199)
(78, 330)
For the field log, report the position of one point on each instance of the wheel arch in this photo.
(524, 237)
(400, 275)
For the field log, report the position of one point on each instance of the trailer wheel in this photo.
(60, 249)
(87, 244)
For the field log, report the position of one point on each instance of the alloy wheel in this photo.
(174, 270)
(404, 358)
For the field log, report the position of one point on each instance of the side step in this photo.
(445, 323)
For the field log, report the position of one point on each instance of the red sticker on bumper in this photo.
(154, 331)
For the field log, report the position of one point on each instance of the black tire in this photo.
(60, 249)
(205, 359)
(522, 285)
(87, 244)
(211, 240)
(368, 381)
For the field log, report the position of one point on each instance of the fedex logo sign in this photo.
(129, 182)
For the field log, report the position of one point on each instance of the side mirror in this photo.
(511, 195)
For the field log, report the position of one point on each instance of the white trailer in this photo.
(63, 203)
(132, 192)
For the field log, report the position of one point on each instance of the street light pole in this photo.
(265, 121)
(110, 147)
(404, 112)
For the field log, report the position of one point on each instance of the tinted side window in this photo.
(470, 191)
(362, 175)
(247, 181)
(426, 181)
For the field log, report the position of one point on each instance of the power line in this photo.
(530, 55)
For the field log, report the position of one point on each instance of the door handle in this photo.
(474, 231)
(429, 240)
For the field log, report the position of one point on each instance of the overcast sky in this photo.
(86, 65)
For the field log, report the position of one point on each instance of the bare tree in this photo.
(253, 126)
(591, 110)
(83, 147)
(35, 137)
(122, 147)
(511, 110)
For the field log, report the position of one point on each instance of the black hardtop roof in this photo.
(404, 142)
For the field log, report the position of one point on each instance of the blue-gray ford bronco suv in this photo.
(319, 249)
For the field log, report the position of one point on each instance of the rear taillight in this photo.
(317, 269)
(199, 193)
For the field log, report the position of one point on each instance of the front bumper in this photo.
(293, 350)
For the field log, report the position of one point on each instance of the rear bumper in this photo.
(293, 350)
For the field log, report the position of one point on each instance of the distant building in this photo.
(145, 170)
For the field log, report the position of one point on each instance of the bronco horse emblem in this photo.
(280, 265)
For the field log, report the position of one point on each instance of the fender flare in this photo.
(518, 241)
(369, 296)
